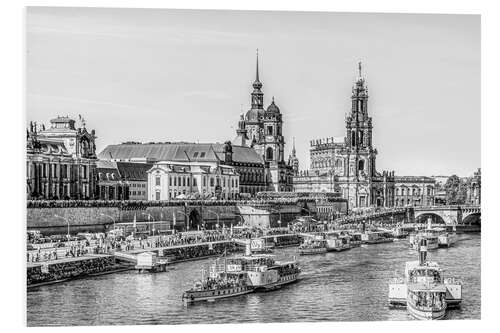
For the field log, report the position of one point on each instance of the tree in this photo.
(456, 191)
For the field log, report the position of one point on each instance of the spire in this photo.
(257, 95)
(359, 68)
(293, 149)
(257, 67)
(256, 84)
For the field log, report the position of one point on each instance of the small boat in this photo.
(223, 285)
(424, 290)
(337, 242)
(376, 237)
(445, 238)
(312, 246)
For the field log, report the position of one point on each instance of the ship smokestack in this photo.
(422, 251)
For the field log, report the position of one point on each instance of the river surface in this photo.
(337, 286)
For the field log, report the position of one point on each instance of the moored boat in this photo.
(445, 238)
(312, 246)
(337, 242)
(376, 237)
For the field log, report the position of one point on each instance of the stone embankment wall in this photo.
(95, 218)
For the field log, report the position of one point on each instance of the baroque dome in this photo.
(273, 108)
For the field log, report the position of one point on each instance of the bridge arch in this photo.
(472, 219)
(423, 217)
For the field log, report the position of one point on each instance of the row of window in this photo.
(414, 191)
(185, 181)
(404, 202)
(55, 170)
(141, 193)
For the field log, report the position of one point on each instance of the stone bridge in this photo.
(466, 215)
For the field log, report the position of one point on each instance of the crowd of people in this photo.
(71, 269)
(222, 283)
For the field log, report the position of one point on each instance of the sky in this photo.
(186, 75)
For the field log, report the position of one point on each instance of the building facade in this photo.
(262, 130)
(348, 164)
(170, 180)
(473, 184)
(414, 191)
(61, 161)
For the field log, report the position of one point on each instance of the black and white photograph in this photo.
(217, 166)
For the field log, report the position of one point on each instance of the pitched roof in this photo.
(134, 171)
(180, 152)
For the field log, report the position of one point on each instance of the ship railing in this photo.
(452, 280)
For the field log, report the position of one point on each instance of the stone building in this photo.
(60, 161)
(169, 180)
(110, 185)
(473, 184)
(414, 191)
(262, 130)
(254, 175)
(122, 180)
(348, 164)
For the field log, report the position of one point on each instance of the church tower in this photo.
(262, 129)
(359, 130)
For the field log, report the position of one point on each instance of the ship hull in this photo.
(426, 314)
(284, 280)
(212, 295)
(305, 252)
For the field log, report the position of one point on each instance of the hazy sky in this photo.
(172, 75)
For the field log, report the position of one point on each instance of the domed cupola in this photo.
(273, 108)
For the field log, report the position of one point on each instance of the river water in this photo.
(337, 286)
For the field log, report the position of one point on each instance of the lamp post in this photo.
(211, 211)
(67, 221)
(150, 217)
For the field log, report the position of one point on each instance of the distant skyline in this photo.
(185, 75)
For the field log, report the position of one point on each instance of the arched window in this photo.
(361, 165)
(353, 138)
(269, 153)
(397, 192)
